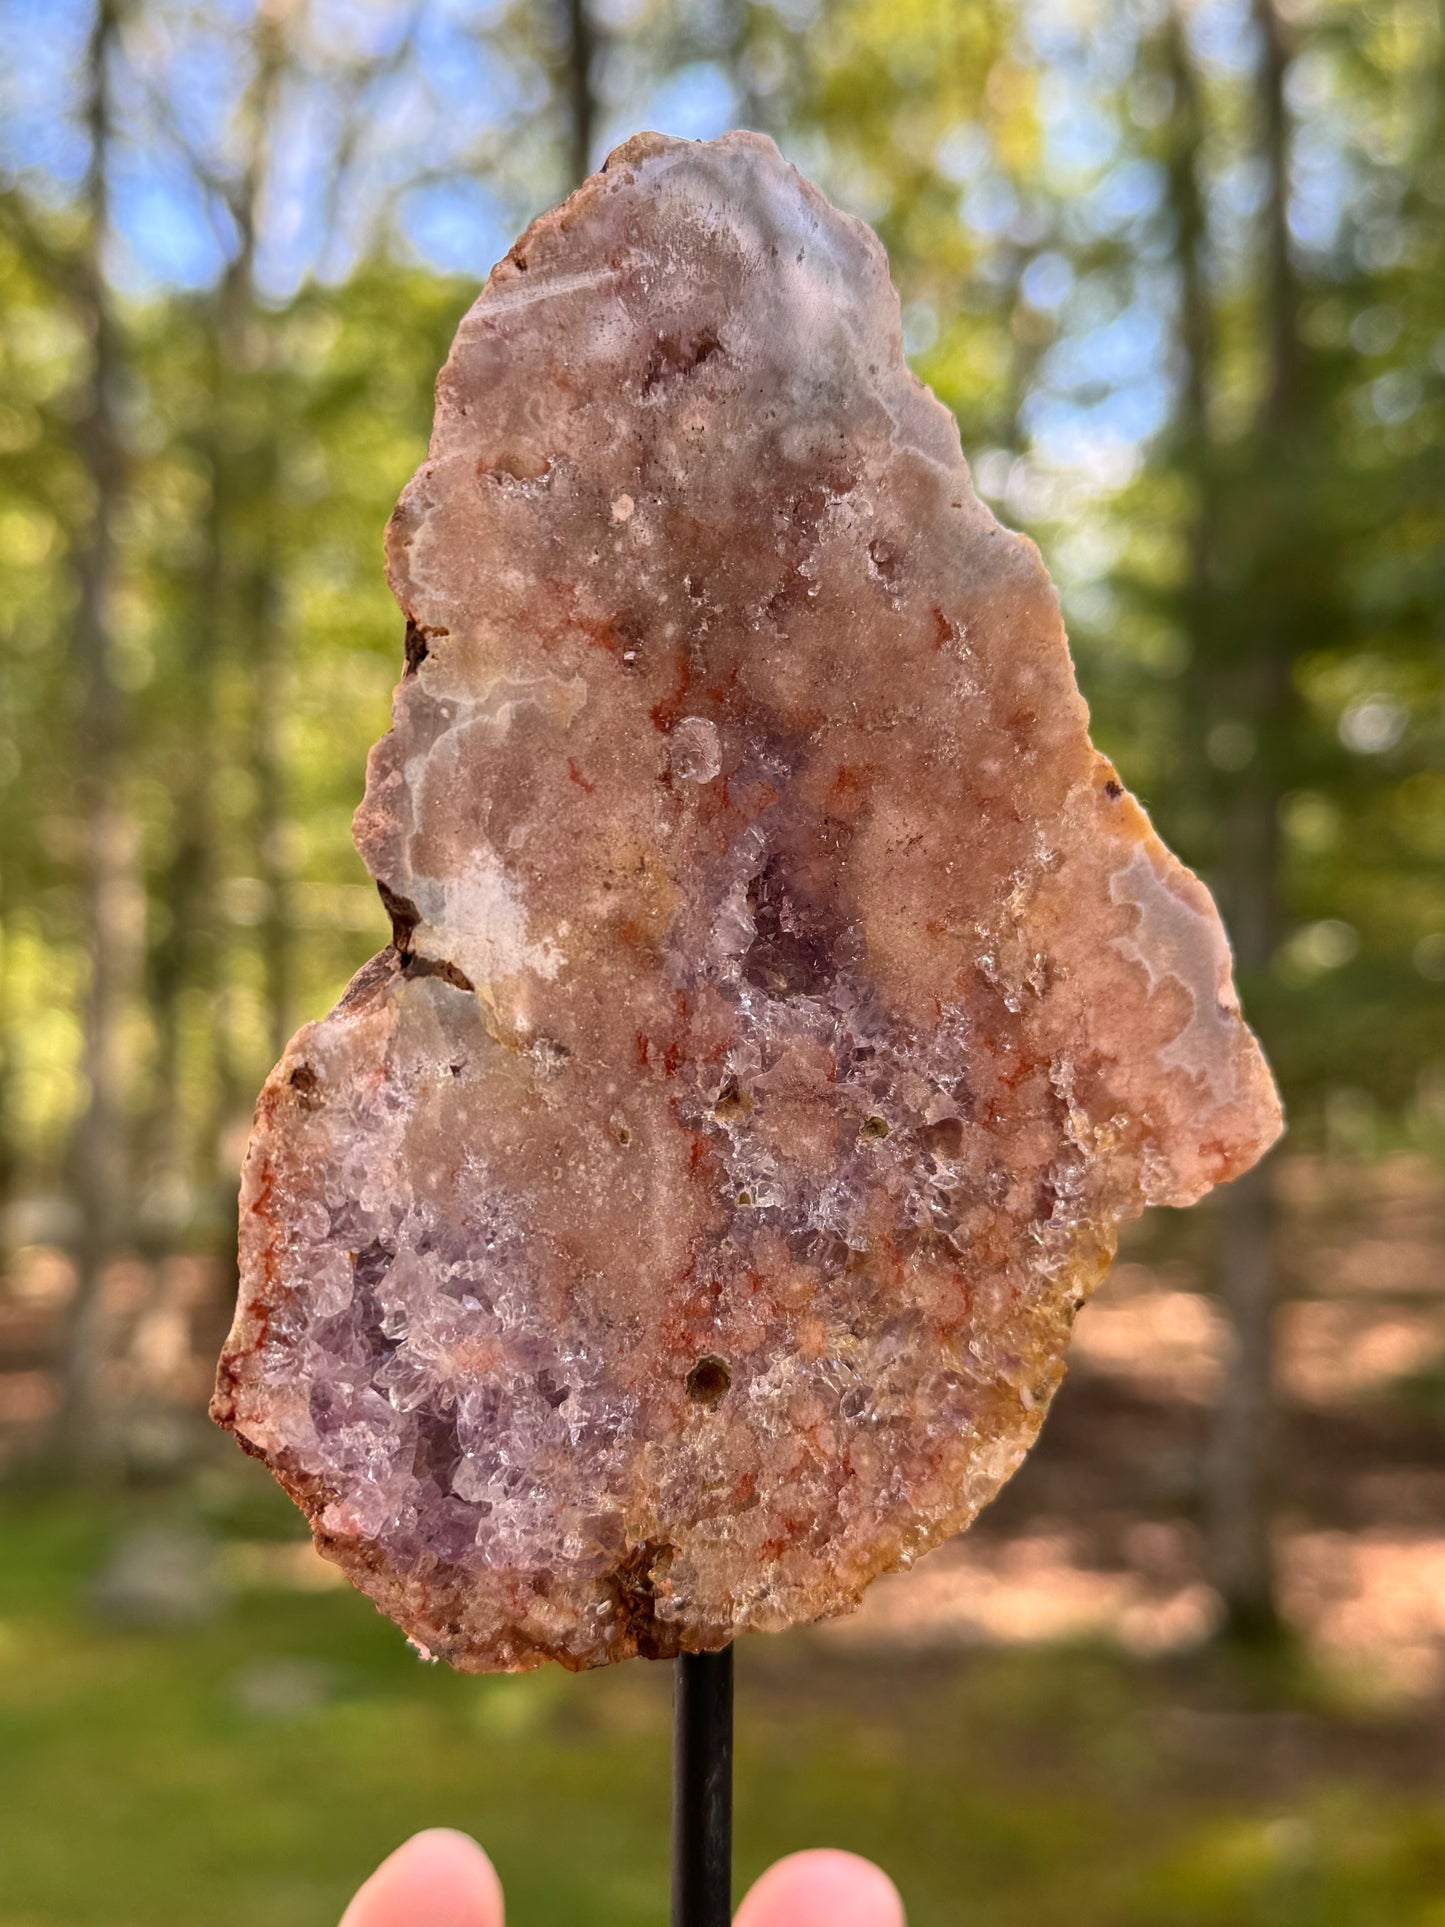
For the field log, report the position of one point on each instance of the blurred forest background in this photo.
(1179, 268)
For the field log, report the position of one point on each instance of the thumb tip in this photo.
(823, 1887)
(440, 1876)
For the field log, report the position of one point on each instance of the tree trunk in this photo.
(264, 633)
(246, 571)
(1240, 1474)
(183, 955)
(263, 597)
(189, 953)
(1241, 1470)
(580, 56)
(1240, 1481)
(113, 903)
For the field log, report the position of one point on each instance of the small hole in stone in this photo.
(307, 1086)
(708, 1381)
(745, 1197)
(874, 1127)
(732, 1103)
(1113, 789)
(943, 1139)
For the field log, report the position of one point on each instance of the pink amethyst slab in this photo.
(681, 1222)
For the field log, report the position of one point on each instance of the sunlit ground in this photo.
(251, 1765)
(199, 1722)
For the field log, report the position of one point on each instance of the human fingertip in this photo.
(439, 1878)
(823, 1887)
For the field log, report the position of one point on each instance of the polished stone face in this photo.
(681, 1222)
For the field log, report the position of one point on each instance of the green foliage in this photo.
(267, 1757)
(1256, 602)
(1047, 185)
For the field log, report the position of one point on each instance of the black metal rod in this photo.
(702, 1790)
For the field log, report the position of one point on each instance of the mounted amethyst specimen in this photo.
(682, 1220)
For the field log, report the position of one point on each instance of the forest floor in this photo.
(198, 1721)
(1096, 1536)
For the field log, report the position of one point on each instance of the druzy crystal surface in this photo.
(681, 1221)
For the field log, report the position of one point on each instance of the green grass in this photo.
(251, 1768)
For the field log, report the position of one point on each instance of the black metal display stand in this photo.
(702, 1790)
